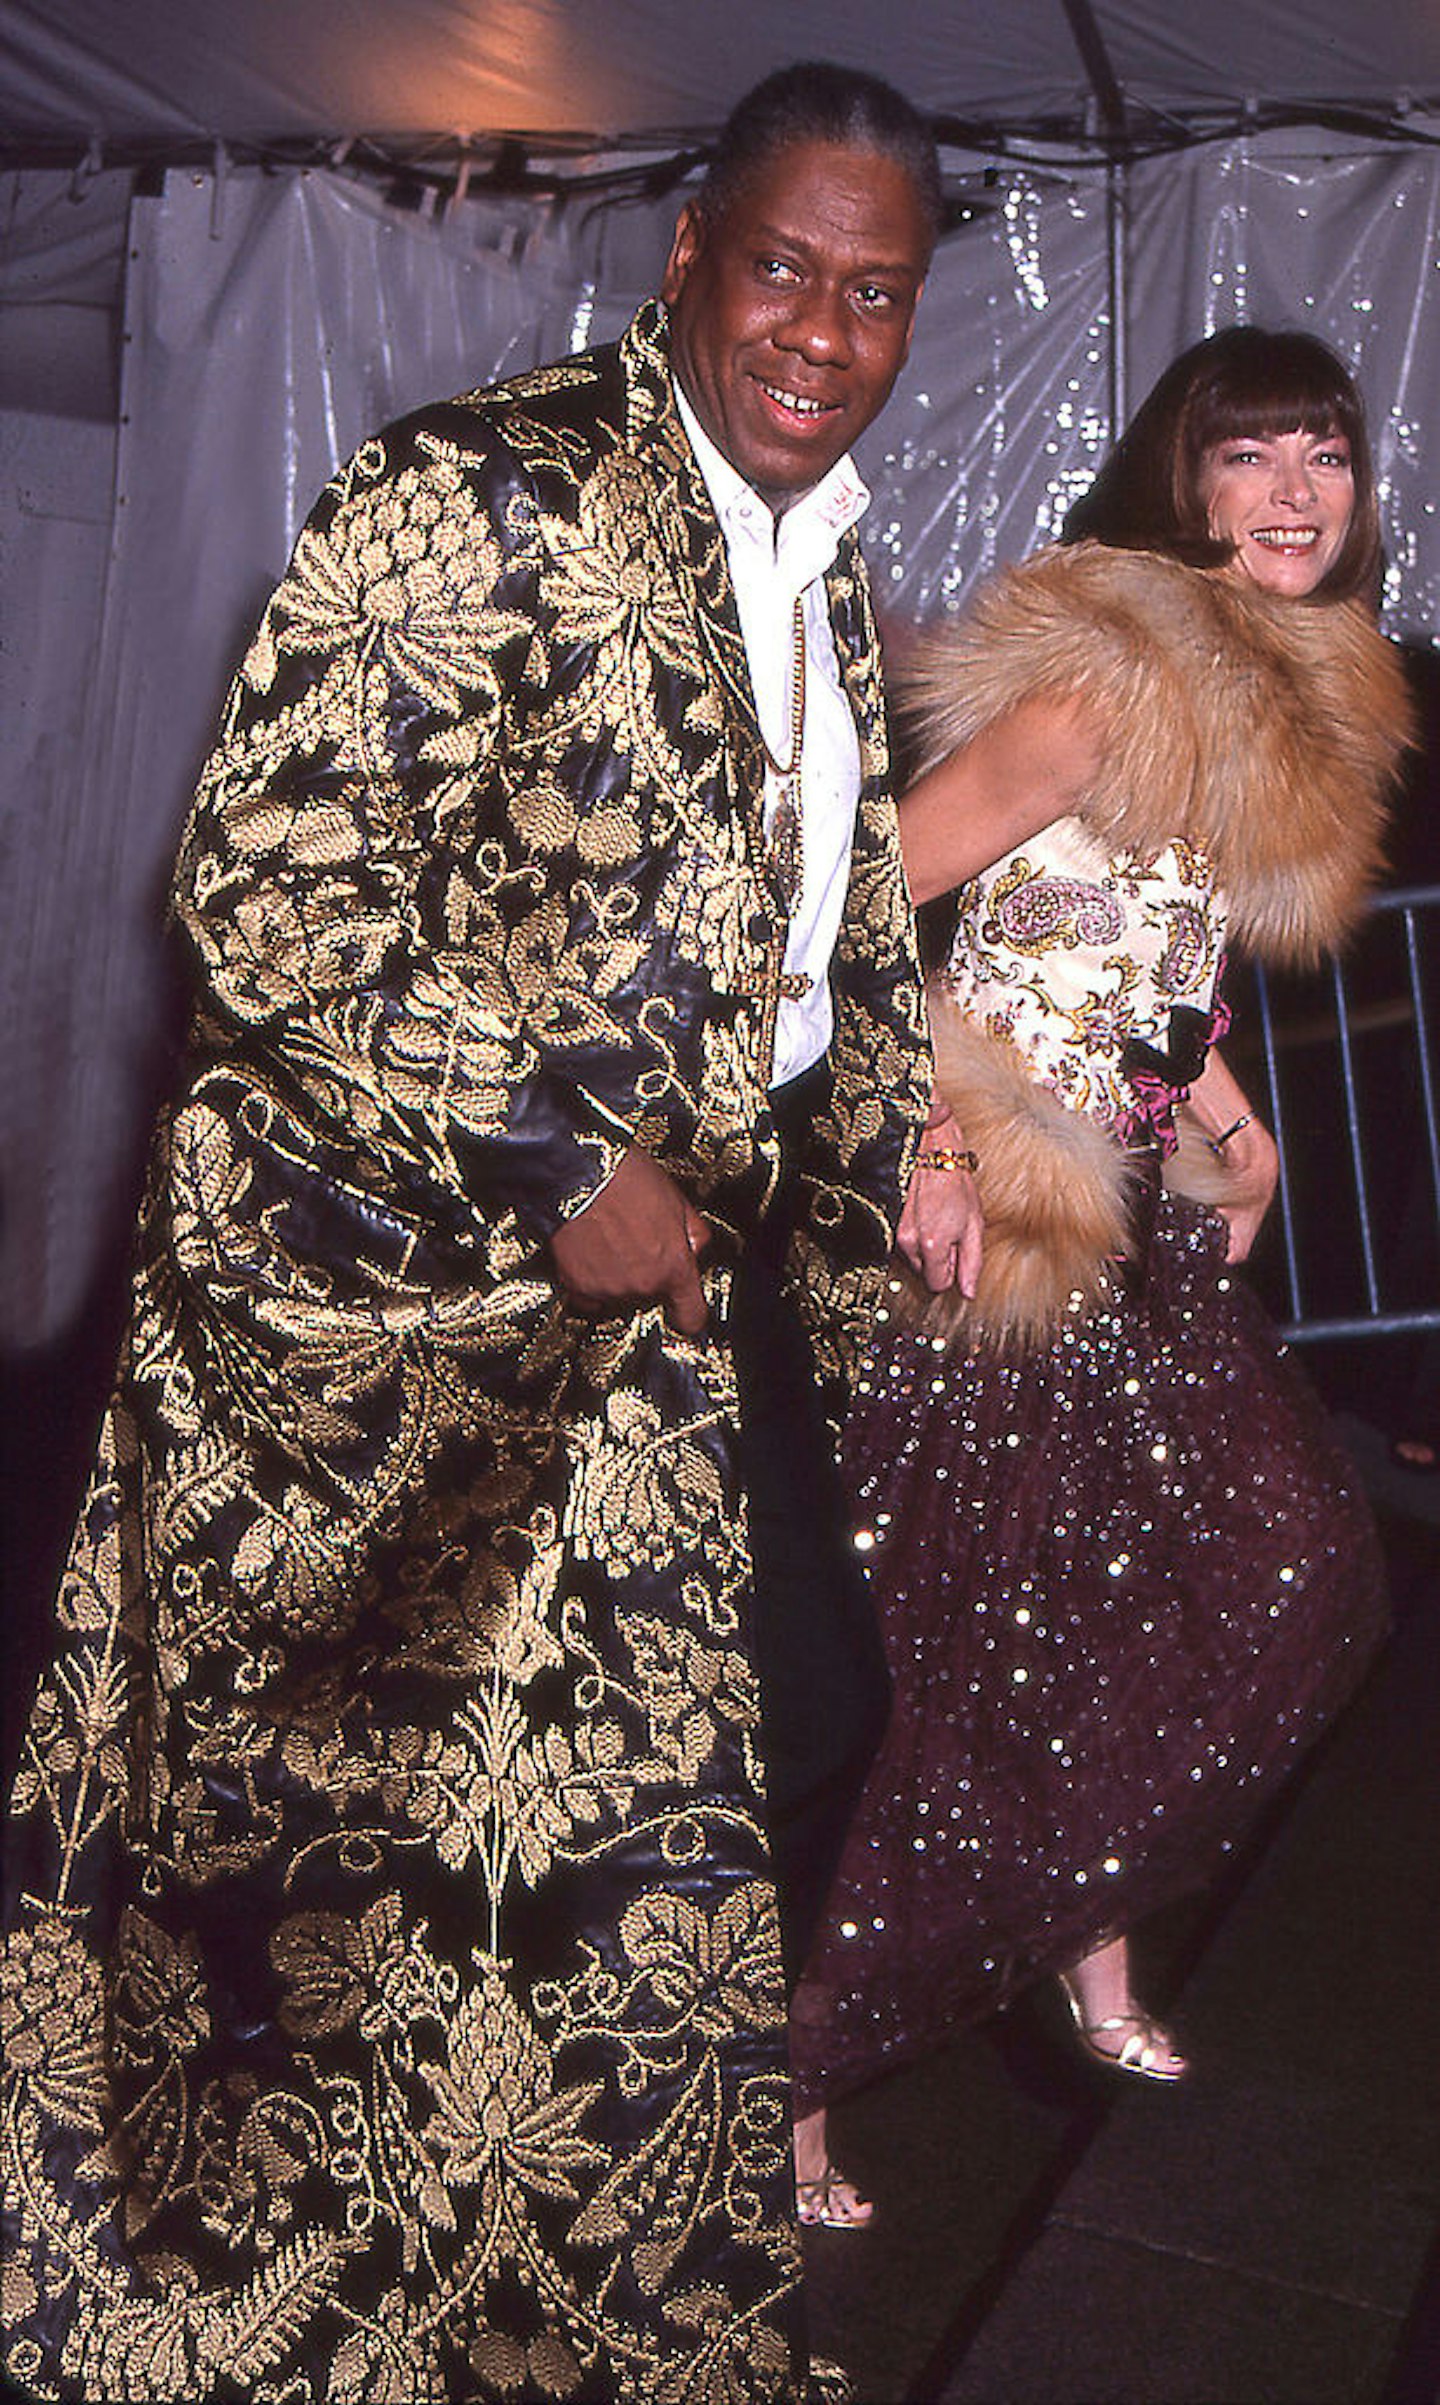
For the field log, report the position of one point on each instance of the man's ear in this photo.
(684, 250)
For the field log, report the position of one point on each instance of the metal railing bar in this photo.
(1277, 1129)
(1380, 1323)
(1418, 908)
(1366, 1018)
(1403, 897)
(1424, 1055)
(1352, 1128)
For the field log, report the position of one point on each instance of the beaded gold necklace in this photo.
(786, 841)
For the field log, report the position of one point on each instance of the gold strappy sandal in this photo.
(831, 2202)
(1140, 2044)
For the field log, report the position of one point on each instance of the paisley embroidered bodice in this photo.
(1072, 957)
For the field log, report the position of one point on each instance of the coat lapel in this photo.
(857, 646)
(655, 431)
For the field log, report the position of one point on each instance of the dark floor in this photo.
(1264, 2234)
(1045, 2235)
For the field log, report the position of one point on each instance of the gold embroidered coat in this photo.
(394, 2007)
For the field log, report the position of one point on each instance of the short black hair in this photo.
(1243, 381)
(816, 101)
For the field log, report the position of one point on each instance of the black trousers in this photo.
(824, 1687)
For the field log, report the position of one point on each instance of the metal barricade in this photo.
(1350, 1064)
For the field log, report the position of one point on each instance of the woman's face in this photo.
(1284, 501)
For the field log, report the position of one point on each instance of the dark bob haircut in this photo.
(1243, 381)
(815, 101)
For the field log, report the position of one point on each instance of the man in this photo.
(396, 2008)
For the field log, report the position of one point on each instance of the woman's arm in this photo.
(1248, 1151)
(1016, 776)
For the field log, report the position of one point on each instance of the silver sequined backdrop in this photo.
(270, 324)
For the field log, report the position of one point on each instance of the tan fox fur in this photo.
(1053, 1186)
(1265, 733)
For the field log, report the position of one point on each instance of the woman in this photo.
(1123, 1573)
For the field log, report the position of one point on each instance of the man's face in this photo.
(791, 314)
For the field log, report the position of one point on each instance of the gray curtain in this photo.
(271, 321)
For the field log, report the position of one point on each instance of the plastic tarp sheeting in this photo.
(1003, 413)
(266, 334)
(272, 321)
(1347, 246)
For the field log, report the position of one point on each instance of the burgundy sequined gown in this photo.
(1124, 1582)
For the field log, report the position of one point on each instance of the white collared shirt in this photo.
(772, 561)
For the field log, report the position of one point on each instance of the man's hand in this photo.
(636, 1240)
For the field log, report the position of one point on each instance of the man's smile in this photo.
(797, 404)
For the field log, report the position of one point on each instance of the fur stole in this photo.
(1264, 732)
(1055, 1189)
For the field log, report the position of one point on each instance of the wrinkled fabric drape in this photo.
(1345, 245)
(643, 65)
(268, 328)
(275, 319)
(1002, 417)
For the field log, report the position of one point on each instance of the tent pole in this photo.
(1109, 104)
(1117, 199)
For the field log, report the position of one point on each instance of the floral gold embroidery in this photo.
(393, 2004)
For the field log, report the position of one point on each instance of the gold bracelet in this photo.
(949, 1156)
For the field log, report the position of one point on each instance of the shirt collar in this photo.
(808, 532)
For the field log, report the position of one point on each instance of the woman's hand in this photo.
(1254, 1166)
(1247, 1149)
(942, 1227)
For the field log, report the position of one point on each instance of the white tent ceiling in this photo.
(615, 72)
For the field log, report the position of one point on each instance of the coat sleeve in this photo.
(369, 881)
(863, 1144)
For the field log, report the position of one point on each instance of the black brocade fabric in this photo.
(392, 2000)
(1123, 1586)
